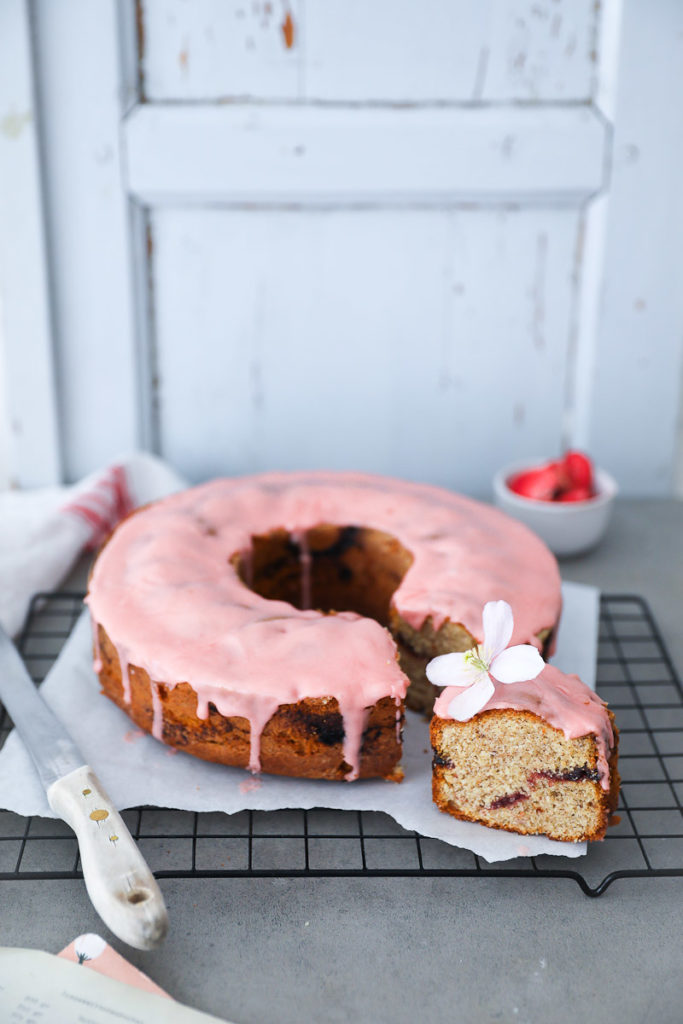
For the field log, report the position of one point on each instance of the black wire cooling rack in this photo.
(635, 675)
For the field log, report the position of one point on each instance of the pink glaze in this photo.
(124, 662)
(96, 652)
(166, 593)
(157, 713)
(562, 701)
(300, 538)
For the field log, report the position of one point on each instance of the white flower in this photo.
(492, 657)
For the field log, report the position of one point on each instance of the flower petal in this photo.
(517, 664)
(449, 670)
(472, 700)
(497, 621)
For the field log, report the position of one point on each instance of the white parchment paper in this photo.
(136, 769)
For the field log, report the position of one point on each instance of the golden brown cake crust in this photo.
(511, 770)
(303, 739)
(353, 568)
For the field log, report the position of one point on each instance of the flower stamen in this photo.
(476, 659)
(475, 671)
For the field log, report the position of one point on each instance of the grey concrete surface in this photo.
(406, 950)
(382, 950)
(642, 553)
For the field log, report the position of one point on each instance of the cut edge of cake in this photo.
(510, 769)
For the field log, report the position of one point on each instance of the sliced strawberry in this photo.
(576, 494)
(541, 483)
(579, 470)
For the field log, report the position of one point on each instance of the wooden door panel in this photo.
(220, 194)
(432, 345)
(382, 51)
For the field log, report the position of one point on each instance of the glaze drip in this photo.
(124, 663)
(97, 653)
(157, 712)
(170, 597)
(300, 538)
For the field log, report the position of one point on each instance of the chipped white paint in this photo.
(88, 223)
(352, 51)
(630, 390)
(243, 153)
(541, 50)
(407, 53)
(212, 49)
(28, 413)
(363, 238)
(303, 354)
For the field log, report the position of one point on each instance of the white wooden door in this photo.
(415, 238)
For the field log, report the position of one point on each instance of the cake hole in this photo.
(329, 568)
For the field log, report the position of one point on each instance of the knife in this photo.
(120, 885)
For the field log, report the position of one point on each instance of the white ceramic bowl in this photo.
(568, 528)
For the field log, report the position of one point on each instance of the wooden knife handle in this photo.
(121, 887)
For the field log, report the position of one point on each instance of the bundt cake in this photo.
(275, 621)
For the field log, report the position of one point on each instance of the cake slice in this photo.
(539, 758)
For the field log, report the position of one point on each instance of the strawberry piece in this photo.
(576, 494)
(579, 470)
(540, 484)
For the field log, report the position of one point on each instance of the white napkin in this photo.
(136, 769)
(43, 532)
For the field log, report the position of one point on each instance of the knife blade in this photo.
(52, 750)
(121, 886)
